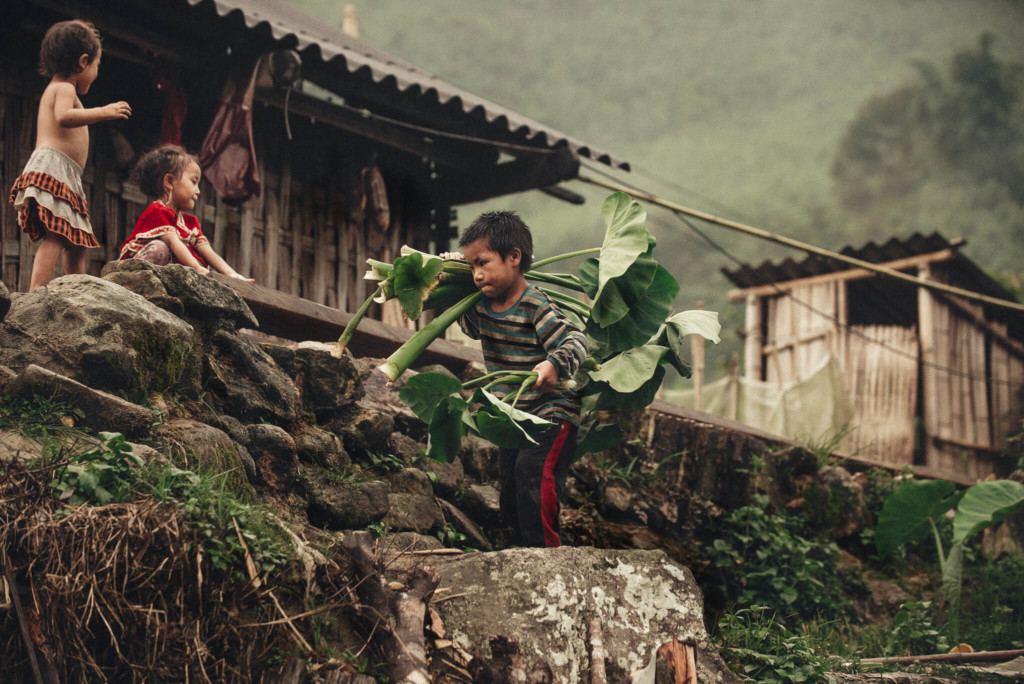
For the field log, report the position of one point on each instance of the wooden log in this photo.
(398, 619)
(975, 657)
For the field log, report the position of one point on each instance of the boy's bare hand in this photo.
(547, 376)
(117, 110)
(452, 255)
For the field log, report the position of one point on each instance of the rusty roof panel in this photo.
(334, 45)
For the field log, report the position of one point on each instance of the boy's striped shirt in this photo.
(534, 329)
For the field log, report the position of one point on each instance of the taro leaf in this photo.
(504, 425)
(625, 239)
(985, 504)
(415, 275)
(679, 326)
(628, 371)
(447, 428)
(594, 437)
(424, 391)
(908, 514)
(435, 399)
(588, 276)
(600, 396)
(645, 312)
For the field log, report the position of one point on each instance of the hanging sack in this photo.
(228, 156)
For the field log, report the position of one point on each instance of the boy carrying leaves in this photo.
(520, 328)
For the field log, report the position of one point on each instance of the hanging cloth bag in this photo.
(228, 156)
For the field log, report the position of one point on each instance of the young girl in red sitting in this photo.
(164, 233)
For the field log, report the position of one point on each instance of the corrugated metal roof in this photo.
(333, 45)
(789, 269)
(961, 271)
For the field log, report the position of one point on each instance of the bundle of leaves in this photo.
(632, 335)
(129, 591)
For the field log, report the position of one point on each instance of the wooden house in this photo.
(935, 380)
(363, 154)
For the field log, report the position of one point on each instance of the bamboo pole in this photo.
(976, 657)
(803, 246)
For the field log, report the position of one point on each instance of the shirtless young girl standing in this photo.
(48, 195)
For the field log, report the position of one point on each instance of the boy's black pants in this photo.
(533, 482)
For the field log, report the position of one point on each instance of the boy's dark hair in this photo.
(504, 231)
(151, 168)
(64, 43)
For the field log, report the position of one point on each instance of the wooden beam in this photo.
(527, 173)
(293, 318)
(399, 137)
(850, 274)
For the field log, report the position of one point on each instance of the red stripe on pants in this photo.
(548, 495)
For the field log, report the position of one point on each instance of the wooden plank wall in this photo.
(798, 337)
(881, 374)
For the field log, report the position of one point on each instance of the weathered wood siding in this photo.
(881, 376)
(801, 331)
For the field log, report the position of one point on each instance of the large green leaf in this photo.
(673, 334)
(594, 437)
(414, 276)
(644, 313)
(506, 426)
(435, 399)
(910, 512)
(695, 322)
(625, 239)
(628, 371)
(600, 396)
(424, 391)
(447, 428)
(985, 504)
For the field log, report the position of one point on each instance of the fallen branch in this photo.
(399, 617)
(976, 657)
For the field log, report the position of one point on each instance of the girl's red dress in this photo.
(159, 219)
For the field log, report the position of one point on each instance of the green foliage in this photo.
(451, 537)
(993, 604)
(762, 561)
(759, 647)
(913, 632)
(384, 463)
(102, 475)
(36, 418)
(227, 526)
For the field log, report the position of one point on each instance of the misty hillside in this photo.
(736, 107)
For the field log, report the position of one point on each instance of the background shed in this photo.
(359, 121)
(935, 381)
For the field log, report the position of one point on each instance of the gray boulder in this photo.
(546, 598)
(320, 447)
(183, 291)
(101, 335)
(96, 409)
(273, 452)
(413, 512)
(198, 446)
(344, 505)
(326, 383)
(14, 445)
(479, 459)
(244, 382)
